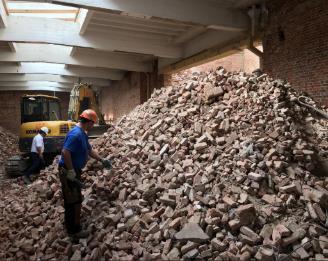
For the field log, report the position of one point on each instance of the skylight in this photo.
(52, 66)
(44, 10)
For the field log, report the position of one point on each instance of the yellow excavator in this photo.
(38, 111)
(41, 110)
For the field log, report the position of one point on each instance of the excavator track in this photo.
(15, 166)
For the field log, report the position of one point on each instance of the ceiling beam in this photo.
(85, 17)
(203, 48)
(3, 15)
(12, 46)
(53, 31)
(51, 78)
(108, 18)
(208, 55)
(37, 84)
(36, 68)
(207, 13)
(61, 54)
(208, 40)
(33, 88)
(187, 36)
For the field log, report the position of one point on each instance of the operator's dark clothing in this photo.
(37, 164)
(76, 142)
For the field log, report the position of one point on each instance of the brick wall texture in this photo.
(121, 97)
(296, 45)
(10, 116)
(242, 61)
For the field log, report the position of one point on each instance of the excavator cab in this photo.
(40, 108)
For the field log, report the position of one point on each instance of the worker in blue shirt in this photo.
(75, 154)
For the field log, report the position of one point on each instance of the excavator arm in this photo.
(83, 97)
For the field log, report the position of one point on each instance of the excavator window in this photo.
(39, 109)
(54, 111)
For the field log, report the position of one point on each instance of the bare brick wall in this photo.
(296, 45)
(242, 61)
(121, 97)
(10, 107)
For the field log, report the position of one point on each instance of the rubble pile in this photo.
(8, 145)
(222, 166)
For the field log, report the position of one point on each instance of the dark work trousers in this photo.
(37, 164)
(72, 201)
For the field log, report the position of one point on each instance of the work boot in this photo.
(27, 180)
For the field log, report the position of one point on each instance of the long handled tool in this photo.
(302, 100)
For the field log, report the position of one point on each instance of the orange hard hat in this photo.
(90, 115)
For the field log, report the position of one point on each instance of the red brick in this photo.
(295, 45)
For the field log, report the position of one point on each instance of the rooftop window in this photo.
(42, 10)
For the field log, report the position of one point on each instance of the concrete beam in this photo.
(61, 55)
(208, 40)
(37, 84)
(13, 47)
(86, 16)
(208, 55)
(207, 13)
(189, 35)
(40, 68)
(53, 31)
(204, 48)
(33, 88)
(51, 78)
(160, 25)
(3, 15)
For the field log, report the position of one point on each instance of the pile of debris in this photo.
(218, 167)
(8, 144)
(8, 148)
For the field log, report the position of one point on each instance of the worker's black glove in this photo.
(106, 163)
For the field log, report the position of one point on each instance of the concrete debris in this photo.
(220, 166)
(191, 232)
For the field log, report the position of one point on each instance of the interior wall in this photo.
(296, 45)
(121, 97)
(242, 61)
(10, 114)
